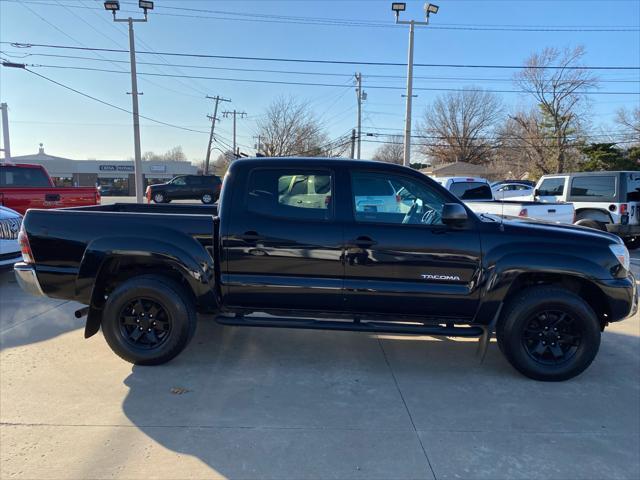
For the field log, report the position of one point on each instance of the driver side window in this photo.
(395, 199)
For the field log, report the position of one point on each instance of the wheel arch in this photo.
(590, 213)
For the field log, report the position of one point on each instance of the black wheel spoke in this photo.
(129, 320)
(539, 348)
(151, 336)
(556, 351)
(135, 334)
(154, 310)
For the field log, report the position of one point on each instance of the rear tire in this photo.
(632, 243)
(207, 198)
(159, 197)
(548, 333)
(148, 320)
(587, 222)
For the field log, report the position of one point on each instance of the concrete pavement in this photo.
(272, 403)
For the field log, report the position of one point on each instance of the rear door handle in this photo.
(363, 242)
(250, 236)
(52, 197)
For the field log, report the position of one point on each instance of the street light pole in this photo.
(398, 7)
(113, 6)
(407, 121)
(136, 116)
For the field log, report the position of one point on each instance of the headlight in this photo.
(622, 254)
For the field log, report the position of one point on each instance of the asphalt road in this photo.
(271, 403)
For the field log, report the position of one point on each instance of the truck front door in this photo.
(401, 259)
(283, 246)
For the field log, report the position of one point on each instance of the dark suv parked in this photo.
(205, 188)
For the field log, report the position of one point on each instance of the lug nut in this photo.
(148, 330)
(539, 334)
(137, 320)
(553, 344)
(140, 328)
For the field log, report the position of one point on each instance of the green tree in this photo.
(607, 156)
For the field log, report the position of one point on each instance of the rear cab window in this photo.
(23, 177)
(291, 193)
(471, 190)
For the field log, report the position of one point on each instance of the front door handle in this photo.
(363, 242)
(250, 236)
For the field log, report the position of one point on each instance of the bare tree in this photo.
(174, 154)
(458, 127)
(391, 152)
(289, 128)
(557, 81)
(630, 122)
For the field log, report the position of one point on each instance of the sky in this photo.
(73, 126)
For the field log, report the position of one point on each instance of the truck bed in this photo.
(547, 212)
(69, 243)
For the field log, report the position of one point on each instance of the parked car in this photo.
(607, 201)
(24, 186)
(478, 196)
(145, 271)
(10, 222)
(516, 191)
(205, 188)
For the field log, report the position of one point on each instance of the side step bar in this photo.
(377, 327)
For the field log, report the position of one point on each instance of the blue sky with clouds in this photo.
(73, 126)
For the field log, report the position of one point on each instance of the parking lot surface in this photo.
(277, 403)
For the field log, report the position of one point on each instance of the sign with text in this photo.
(116, 168)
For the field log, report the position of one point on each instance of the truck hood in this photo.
(538, 227)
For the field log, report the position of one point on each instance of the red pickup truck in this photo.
(24, 186)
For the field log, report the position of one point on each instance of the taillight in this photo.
(25, 248)
(624, 208)
(398, 198)
(98, 198)
(523, 213)
(1, 198)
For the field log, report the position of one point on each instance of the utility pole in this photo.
(235, 114)
(353, 141)
(361, 96)
(397, 8)
(6, 144)
(213, 119)
(258, 146)
(113, 6)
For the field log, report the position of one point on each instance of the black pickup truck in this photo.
(332, 244)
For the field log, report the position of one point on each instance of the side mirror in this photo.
(453, 214)
(536, 192)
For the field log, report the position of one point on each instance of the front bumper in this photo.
(623, 230)
(27, 278)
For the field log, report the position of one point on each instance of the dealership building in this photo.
(114, 176)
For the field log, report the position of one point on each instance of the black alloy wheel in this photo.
(145, 323)
(551, 337)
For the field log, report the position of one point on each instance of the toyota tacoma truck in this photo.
(24, 186)
(309, 243)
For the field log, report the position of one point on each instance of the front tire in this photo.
(159, 197)
(548, 333)
(148, 320)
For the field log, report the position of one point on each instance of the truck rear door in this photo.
(283, 244)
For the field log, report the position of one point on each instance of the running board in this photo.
(362, 326)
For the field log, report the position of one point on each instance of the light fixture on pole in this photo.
(398, 7)
(113, 6)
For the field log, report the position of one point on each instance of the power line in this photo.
(95, 99)
(341, 22)
(313, 84)
(307, 60)
(288, 72)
